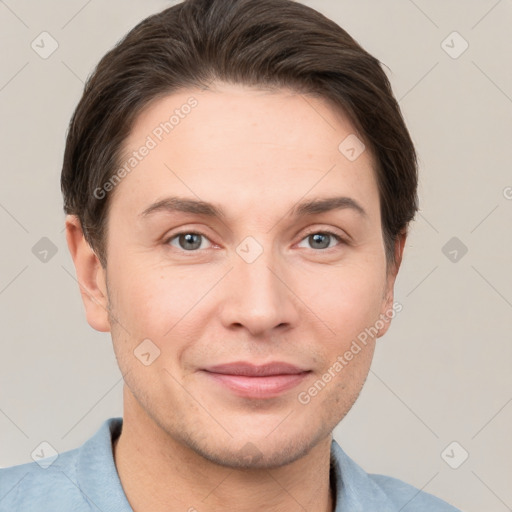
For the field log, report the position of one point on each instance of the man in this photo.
(238, 181)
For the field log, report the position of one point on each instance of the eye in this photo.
(321, 239)
(191, 241)
(187, 240)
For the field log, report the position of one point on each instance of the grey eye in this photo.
(321, 240)
(187, 241)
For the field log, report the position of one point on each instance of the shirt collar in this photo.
(96, 472)
(355, 490)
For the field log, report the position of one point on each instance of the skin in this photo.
(255, 153)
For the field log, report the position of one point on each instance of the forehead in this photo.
(243, 146)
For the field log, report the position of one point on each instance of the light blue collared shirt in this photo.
(85, 479)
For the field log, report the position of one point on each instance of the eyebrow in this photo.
(198, 207)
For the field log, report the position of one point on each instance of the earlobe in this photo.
(399, 251)
(388, 308)
(90, 275)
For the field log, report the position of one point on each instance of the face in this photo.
(247, 304)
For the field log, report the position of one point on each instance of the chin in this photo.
(262, 453)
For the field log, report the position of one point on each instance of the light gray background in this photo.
(443, 371)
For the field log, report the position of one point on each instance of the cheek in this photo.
(347, 299)
(152, 300)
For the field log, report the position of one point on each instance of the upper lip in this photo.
(252, 370)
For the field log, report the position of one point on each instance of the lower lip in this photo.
(258, 387)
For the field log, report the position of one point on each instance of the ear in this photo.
(388, 311)
(90, 275)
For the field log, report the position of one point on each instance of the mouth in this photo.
(253, 381)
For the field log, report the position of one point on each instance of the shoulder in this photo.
(26, 486)
(358, 490)
(81, 479)
(408, 498)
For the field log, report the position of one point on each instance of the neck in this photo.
(160, 474)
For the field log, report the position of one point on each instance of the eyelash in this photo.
(339, 238)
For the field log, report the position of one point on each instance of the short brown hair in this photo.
(269, 43)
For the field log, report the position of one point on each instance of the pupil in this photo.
(317, 237)
(189, 240)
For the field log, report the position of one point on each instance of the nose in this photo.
(259, 296)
